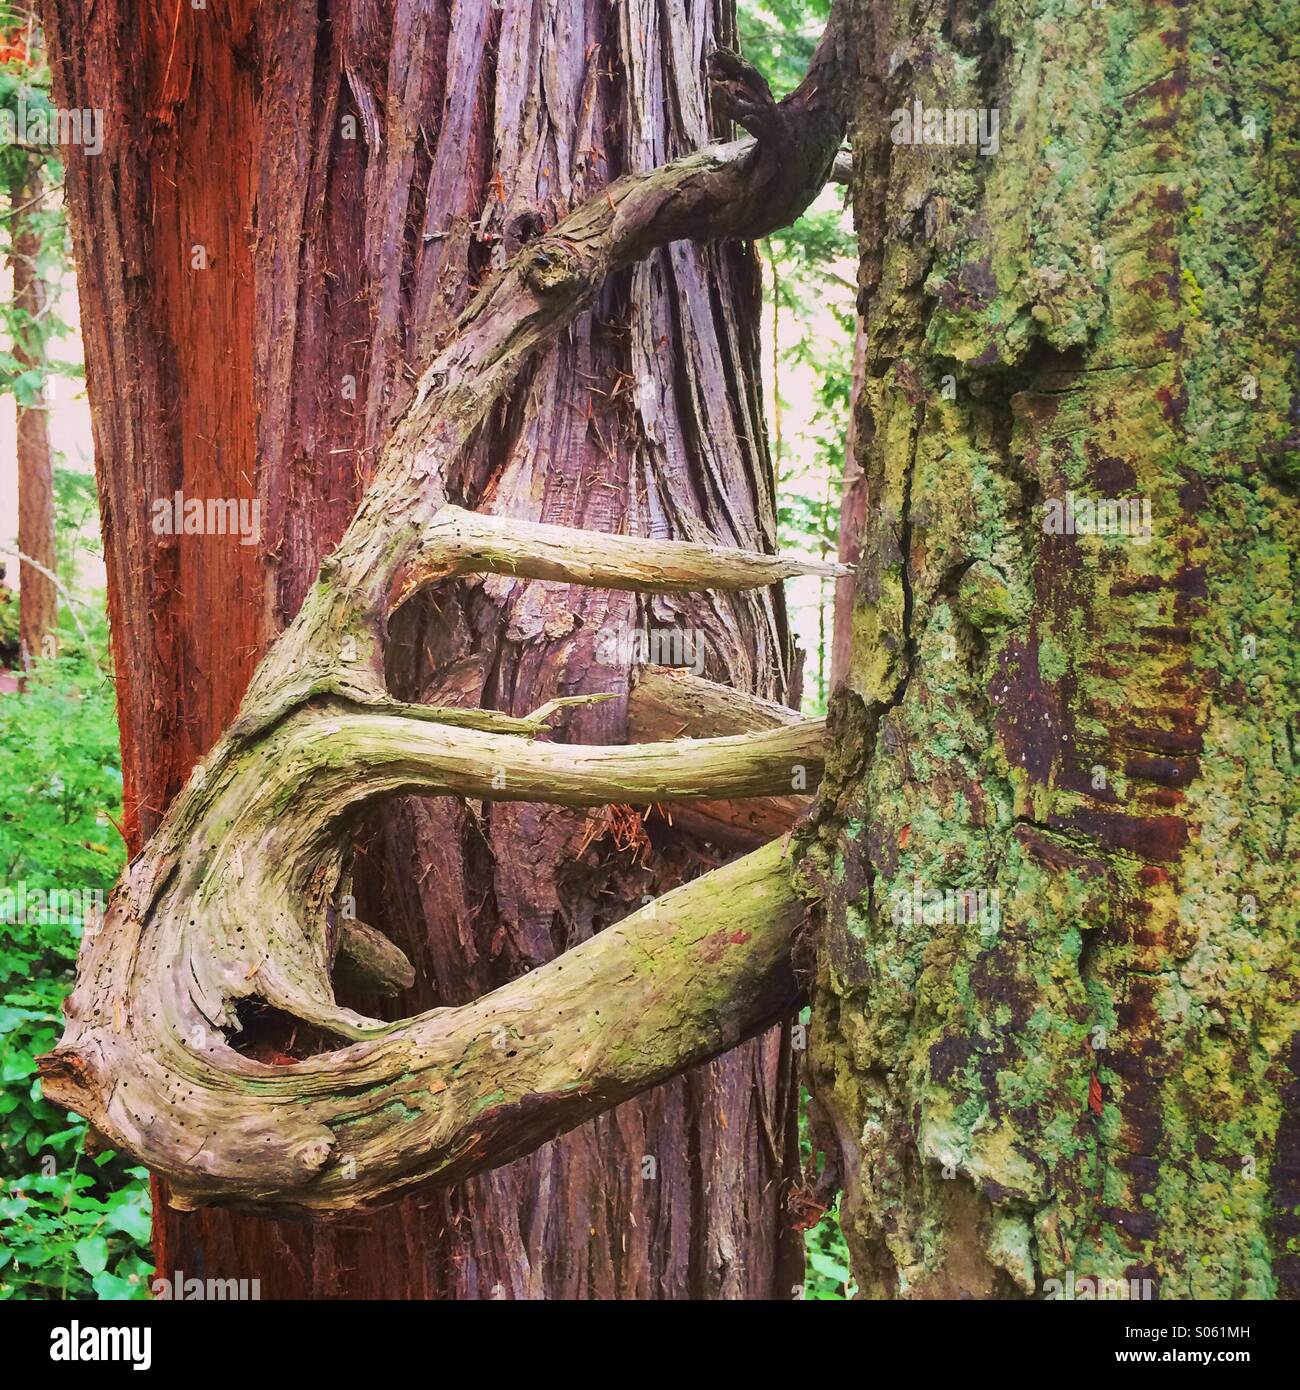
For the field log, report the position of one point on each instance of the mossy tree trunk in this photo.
(1100, 1074)
(292, 205)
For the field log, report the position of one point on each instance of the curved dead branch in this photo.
(666, 703)
(453, 1090)
(239, 896)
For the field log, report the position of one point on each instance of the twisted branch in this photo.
(238, 896)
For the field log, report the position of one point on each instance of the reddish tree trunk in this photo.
(38, 601)
(351, 171)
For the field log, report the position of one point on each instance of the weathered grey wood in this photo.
(667, 703)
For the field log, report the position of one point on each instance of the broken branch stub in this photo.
(232, 899)
(666, 703)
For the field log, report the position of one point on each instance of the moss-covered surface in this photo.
(1103, 1075)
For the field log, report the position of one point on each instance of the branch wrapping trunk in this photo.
(233, 898)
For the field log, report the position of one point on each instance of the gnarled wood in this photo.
(369, 961)
(668, 703)
(233, 898)
(452, 1091)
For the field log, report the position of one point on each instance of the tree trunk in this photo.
(853, 518)
(291, 205)
(1093, 1070)
(38, 600)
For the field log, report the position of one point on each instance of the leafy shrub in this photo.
(827, 1275)
(70, 1226)
(826, 1269)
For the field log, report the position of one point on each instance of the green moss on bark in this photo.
(1098, 730)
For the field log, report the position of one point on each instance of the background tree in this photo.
(809, 290)
(389, 160)
(34, 231)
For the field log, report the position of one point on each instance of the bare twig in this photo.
(70, 598)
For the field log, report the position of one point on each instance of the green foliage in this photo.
(828, 1276)
(62, 771)
(814, 321)
(810, 295)
(808, 286)
(809, 250)
(76, 520)
(9, 639)
(25, 85)
(70, 1227)
(778, 37)
(81, 1233)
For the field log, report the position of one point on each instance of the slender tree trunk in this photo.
(291, 205)
(38, 599)
(778, 446)
(853, 518)
(1094, 1072)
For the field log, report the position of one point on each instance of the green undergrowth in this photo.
(71, 1226)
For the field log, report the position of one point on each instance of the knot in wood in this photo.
(550, 269)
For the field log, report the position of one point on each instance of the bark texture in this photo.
(38, 608)
(853, 518)
(387, 160)
(1103, 1079)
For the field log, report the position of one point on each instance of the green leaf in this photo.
(129, 1213)
(92, 1253)
(113, 1289)
(828, 1267)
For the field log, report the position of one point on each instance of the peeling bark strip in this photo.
(232, 898)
